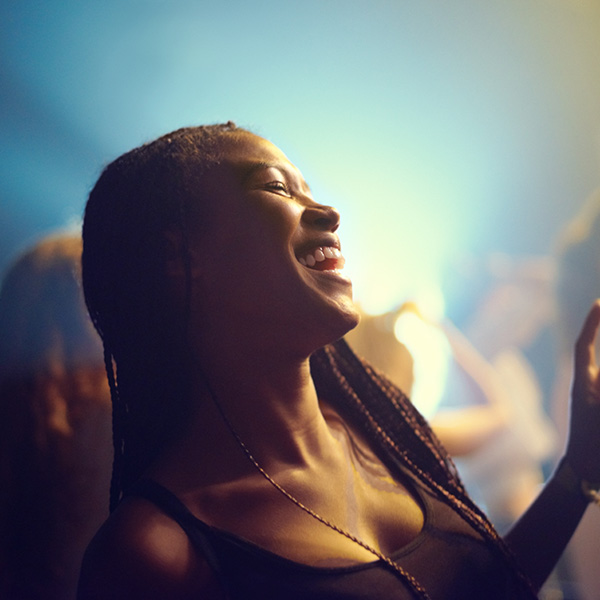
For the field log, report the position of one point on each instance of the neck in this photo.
(272, 407)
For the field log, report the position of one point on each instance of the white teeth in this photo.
(319, 255)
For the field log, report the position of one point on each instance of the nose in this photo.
(324, 218)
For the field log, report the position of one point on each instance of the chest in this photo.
(312, 517)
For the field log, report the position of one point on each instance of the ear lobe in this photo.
(177, 256)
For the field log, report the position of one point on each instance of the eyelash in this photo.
(278, 186)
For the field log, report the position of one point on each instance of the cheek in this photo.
(264, 236)
(248, 249)
(241, 262)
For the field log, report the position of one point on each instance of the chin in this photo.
(352, 318)
(345, 320)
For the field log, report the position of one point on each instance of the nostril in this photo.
(325, 218)
(323, 222)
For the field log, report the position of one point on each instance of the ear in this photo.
(177, 254)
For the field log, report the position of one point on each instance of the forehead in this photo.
(247, 153)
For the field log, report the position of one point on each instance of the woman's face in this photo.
(270, 263)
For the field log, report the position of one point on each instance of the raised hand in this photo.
(583, 448)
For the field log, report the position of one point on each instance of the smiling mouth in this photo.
(323, 258)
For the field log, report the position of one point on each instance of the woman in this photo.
(55, 434)
(255, 456)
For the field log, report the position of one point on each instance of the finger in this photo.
(585, 354)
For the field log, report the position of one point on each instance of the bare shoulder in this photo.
(140, 552)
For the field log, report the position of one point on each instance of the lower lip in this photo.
(334, 274)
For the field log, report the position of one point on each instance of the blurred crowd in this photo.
(493, 377)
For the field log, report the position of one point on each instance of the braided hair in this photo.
(383, 412)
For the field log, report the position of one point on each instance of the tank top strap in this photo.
(197, 531)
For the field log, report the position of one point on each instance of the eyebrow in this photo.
(251, 168)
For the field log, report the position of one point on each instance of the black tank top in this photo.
(448, 558)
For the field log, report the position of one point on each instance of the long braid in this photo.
(137, 199)
(389, 417)
(346, 367)
(117, 423)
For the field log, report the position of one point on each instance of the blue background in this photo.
(439, 128)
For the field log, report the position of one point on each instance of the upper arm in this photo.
(142, 553)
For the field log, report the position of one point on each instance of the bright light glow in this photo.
(430, 301)
(431, 355)
(398, 242)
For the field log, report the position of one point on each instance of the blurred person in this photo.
(55, 432)
(516, 309)
(373, 338)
